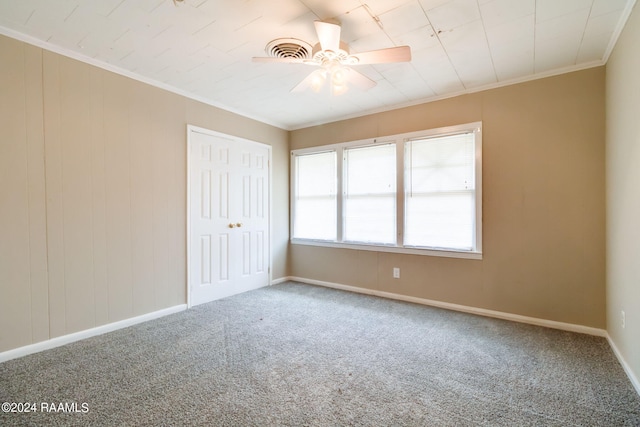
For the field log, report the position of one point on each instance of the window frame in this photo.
(399, 140)
(294, 193)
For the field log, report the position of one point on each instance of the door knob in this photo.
(231, 225)
(239, 224)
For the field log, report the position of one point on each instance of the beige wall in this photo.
(623, 193)
(92, 182)
(93, 194)
(543, 204)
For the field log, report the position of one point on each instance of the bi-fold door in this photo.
(228, 215)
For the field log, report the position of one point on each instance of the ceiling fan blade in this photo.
(328, 35)
(314, 81)
(359, 79)
(382, 56)
(275, 59)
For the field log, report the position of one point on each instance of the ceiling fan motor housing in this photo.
(324, 57)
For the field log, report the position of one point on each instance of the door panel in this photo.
(223, 257)
(205, 259)
(229, 220)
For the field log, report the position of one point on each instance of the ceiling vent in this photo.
(288, 48)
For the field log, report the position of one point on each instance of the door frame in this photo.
(190, 130)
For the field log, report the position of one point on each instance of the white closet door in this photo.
(229, 216)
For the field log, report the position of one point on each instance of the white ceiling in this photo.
(203, 48)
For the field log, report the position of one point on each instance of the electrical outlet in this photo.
(622, 317)
(396, 273)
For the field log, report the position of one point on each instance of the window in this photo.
(370, 194)
(440, 192)
(413, 193)
(315, 196)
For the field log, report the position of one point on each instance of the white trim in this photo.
(622, 22)
(462, 308)
(188, 213)
(280, 280)
(394, 249)
(471, 127)
(627, 369)
(87, 333)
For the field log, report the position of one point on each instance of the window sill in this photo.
(392, 249)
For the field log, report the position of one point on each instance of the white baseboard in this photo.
(87, 333)
(632, 376)
(462, 308)
(280, 280)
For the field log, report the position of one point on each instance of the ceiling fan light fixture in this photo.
(338, 76)
(339, 80)
(318, 79)
(333, 72)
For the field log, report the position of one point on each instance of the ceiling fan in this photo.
(335, 61)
